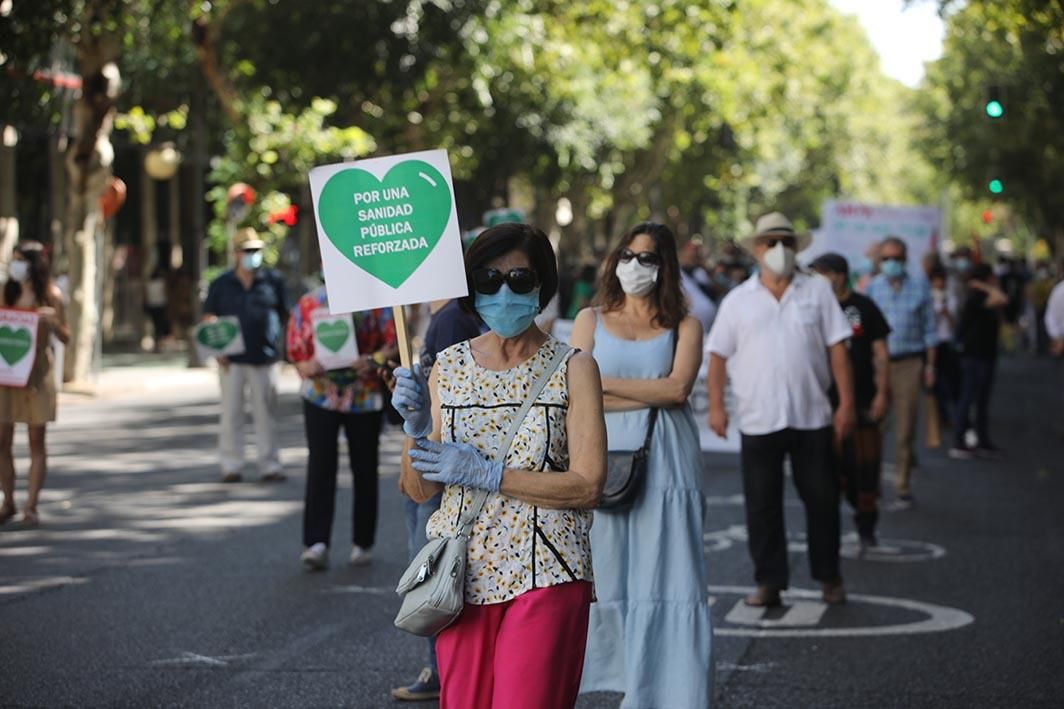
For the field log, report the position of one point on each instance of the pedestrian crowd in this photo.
(572, 471)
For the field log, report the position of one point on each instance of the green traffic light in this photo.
(994, 109)
(996, 186)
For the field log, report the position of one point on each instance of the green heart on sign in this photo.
(386, 227)
(217, 335)
(333, 334)
(14, 343)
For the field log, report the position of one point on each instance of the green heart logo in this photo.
(217, 335)
(386, 227)
(14, 343)
(332, 335)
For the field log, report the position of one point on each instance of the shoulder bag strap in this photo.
(480, 496)
(652, 421)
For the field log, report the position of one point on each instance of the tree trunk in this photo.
(8, 196)
(89, 161)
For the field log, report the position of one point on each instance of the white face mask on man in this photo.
(635, 278)
(780, 260)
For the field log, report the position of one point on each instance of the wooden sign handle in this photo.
(405, 355)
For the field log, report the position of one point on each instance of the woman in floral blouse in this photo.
(351, 398)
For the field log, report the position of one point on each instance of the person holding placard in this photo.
(337, 393)
(519, 641)
(256, 297)
(30, 288)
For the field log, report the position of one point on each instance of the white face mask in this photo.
(18, 270)
(635, 278)
(780, 260)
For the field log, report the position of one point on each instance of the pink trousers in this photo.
(524, 653)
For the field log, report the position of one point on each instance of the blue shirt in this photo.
(260, 308)
(909, 311)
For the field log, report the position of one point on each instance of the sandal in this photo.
(275, 477)
(30, 518)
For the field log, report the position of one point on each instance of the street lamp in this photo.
(162, 161)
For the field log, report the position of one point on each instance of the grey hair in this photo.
(897, 241)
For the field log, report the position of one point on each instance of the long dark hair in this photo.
(670, 305)
(40, 274)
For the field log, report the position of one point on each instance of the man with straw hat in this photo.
(255, 295)
(781, 339)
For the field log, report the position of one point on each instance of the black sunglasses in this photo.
(899, 259)
(488, 281)
(645, 258)
(789, 242)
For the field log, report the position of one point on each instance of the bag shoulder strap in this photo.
(652, 421)
(480, 496)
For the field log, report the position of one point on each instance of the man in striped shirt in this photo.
(905, 300)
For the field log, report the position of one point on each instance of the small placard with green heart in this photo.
(220, 338)
(18, 346)
(335, 345)
(388, 231)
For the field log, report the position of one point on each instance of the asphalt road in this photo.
(151, 584)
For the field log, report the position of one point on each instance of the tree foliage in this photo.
(1017, 45)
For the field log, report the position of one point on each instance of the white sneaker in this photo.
(315, 557)
(360, 556)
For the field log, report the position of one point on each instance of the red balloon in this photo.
(113, 197)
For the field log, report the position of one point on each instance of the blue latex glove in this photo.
(411, 400)
(456, 464)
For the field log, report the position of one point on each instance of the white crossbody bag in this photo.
(433, 586)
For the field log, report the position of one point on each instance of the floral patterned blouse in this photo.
(341, 389)
(515, 546)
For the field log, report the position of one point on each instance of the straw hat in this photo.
(247, 238)
(774, 224)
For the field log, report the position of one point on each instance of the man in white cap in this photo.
(255, 295)
(781, 338)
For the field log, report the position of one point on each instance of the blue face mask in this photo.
(893, 269)
(508, 314)
(251, 260)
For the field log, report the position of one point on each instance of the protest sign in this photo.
(335, 346)
(18, 346)
(220, 338)
(850, 228)
(388, 231)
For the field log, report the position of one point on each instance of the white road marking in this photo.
(939, 618)
(799, 614)
(192, 658)
(758, 667)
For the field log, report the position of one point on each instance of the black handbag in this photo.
(626, 471)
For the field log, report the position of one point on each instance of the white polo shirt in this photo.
(777, 352)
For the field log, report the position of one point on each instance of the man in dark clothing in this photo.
(977, 341)
(860, 455)
(255, 295)
(448, 326)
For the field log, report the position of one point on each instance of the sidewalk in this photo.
(129, 374)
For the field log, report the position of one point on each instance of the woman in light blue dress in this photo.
(650, 634)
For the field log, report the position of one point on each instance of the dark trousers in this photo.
(859, 462)
(811, 454)
(363, 443)
(947, 382)
(977, 380)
